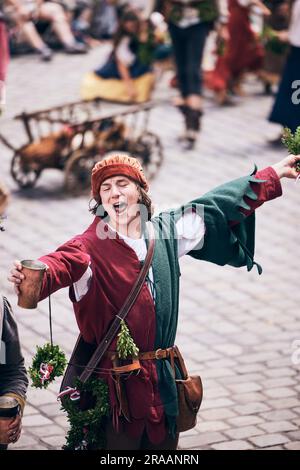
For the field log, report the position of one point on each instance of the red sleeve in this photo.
(4, 56)
(266, 191)
(65, 266)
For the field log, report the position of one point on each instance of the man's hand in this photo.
(16, 276)
(132, 93)
(14, 430)
(265, 10)
(286, 168)
(283, 36)
(223, 32)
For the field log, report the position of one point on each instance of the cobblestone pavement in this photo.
(236, 329)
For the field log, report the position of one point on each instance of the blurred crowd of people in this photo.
(250, 35)
(43, 25)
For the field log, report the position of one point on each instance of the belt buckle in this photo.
(157, 354)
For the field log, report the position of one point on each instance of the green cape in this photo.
(222, 245)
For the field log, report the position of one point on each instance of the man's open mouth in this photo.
(120, 207)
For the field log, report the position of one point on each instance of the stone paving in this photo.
(236, 329)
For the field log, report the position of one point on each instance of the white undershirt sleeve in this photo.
(82, 286)
(190, 232)
(123, 52)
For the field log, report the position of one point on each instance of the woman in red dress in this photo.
(243, 52)
(3, 58)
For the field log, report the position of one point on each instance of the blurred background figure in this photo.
(31, 17)
(189, 25)
(13, 377)
(127, 74)
(275, 50)
(142, 7)
(4, 57)
(286, 109)
(79, 14)
(104, 21)
(4, 195)
(243, 52)
(155, 33)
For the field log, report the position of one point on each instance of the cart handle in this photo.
(70, 105)
(7, 144)
(96, 101)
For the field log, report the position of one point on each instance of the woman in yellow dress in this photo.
(126, 76)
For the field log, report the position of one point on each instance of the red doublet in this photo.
(115, 267)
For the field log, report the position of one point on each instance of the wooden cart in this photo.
(73, 137)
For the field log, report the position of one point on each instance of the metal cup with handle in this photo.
(30, 287)
(9, 409)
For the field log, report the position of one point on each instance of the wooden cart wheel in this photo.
(22, 173)
(78, 171)
(148, 149)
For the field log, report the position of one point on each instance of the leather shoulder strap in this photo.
(110, 335)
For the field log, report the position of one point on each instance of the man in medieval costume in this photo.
(13, 378)
(101, 265)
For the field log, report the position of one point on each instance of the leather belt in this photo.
(146, 356)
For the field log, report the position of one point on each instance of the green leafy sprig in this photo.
(87, 427)
(292, 143)
(146, 49)
(272, 42)
(208, 10)
(51, 355)
(126, 347)
(220, 47)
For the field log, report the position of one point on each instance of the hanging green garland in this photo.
(48, 363)
(87, 426)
